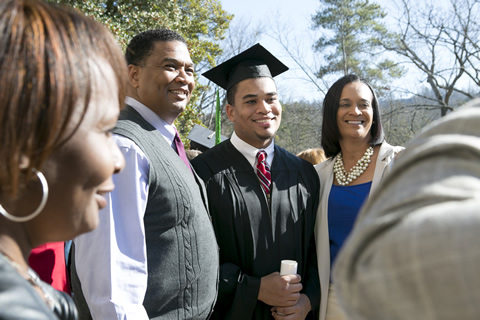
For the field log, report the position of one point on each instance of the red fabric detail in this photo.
(181, 150)
(263, 171)
(48, 260)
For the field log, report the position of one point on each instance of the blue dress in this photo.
(344, 204)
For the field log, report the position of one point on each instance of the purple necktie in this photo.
(181, 149)
(263, 171)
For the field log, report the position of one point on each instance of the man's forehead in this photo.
(171, 50)
(257, 86)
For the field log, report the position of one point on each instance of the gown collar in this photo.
(250, 152)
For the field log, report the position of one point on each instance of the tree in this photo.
(442, 43)
(202, 23)
(401, 119)
(349, 41)
(301, 126)
(294, 43)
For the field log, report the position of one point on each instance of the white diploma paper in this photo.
(288, 267)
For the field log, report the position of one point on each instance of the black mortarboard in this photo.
(254, 62)
(203, 137)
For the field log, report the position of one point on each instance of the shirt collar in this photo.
(250, 152)
(167, 130)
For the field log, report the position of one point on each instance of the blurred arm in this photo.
(111, 261)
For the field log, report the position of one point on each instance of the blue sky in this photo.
(297, 16)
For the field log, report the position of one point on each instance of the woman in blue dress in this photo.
(358, 156)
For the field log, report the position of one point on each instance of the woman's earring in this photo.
(40, 207)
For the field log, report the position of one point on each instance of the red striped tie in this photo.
(263, 171)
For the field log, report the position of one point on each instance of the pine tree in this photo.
(352, 31)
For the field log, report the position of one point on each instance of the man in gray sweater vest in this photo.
(154, 254)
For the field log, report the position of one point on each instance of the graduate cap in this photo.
(254, 62)
(203, 137)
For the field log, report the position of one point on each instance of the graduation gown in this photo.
(253, 236)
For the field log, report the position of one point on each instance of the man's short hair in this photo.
(141, 46)
(231, 94)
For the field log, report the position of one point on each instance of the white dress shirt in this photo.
(111, 261)
(250, 152)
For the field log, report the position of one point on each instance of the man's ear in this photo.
(134, 75)
(230, 112)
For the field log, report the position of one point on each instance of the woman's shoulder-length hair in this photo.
(331, 103)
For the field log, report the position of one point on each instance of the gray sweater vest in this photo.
(182, 251)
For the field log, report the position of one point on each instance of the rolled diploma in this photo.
(288, 267)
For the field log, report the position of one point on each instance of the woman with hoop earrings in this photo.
(62, 86)
(358, 156)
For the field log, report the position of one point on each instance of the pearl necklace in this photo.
(345, 178)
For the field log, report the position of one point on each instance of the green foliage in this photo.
(301, 126)
(350, 39)
(203, 24)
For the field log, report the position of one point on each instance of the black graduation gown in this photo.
(253, 239)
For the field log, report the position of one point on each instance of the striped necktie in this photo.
(263, 171)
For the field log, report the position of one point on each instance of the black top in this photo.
(20, 300)
(254, 238)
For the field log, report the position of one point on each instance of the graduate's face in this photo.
(355, 111)
(166, 82)
(257, 112)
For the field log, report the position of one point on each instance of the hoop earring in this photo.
(40, 207)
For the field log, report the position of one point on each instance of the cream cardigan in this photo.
(325, 172)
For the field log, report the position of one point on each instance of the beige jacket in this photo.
(325, 173)
(414, 252)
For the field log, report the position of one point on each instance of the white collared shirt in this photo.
(167, 130)
(250, 152)
(111, 261)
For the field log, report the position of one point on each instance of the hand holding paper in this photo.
(288, 267)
